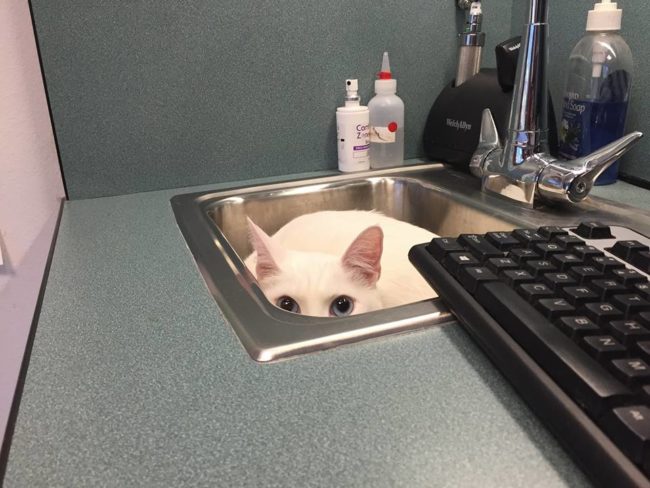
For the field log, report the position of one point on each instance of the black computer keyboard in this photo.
(564, 313)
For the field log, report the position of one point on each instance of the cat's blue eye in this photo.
(288, 304)
(341, 306)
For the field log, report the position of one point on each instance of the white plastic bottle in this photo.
(597, 90)
(352, 131)
(386, 121)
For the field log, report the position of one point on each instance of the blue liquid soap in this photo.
(597, 89)
(588, 125)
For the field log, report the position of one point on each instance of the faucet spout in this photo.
(528, 123)
(521, 168)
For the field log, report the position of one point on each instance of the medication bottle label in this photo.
(353, 134)
(360, 151)
(383, 135)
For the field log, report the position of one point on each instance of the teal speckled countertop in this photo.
(136, 379)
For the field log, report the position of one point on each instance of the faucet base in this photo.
(516, 182)
(520, 191)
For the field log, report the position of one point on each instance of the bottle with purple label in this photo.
(352, 122)
(597, 89)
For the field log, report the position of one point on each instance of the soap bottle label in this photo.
(383, 135)
(587, 125)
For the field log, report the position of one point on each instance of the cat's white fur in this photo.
(320, 256)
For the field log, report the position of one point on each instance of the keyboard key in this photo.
(602, 312)
(629, 428)
(479, 246)
(603, 347)
(535, 291)
(604, 264)
(550, 231)
(629, 276)
(523, 255)
(586, 252)
(500, 264)
(528, 237)
(585, 381)
(441, 246)
(628, 331)
(607, 288)
(569, 241)
(577, 326)
(548, 249)
(454, 260)
(502, 240)
(641, 260)
(578, 295)
(630, 304)
(515, 277)
(471, 276)
(631, 371)
(556, 281)
(625, 249)
(593, 230)
(539, 266)
(585, 274)
(554, 308)
(564, 261)
(642, 289)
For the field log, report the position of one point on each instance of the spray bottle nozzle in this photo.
(352, 97)
(352, 87)
(385, 73)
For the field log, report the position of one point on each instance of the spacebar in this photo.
(579, 375)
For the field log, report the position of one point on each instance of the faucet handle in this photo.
(488, 142)
(573, 180)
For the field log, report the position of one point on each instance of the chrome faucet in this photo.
(522, 168)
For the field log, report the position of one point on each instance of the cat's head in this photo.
(319, 284)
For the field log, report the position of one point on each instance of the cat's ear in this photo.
(268, 253)
(363, 257)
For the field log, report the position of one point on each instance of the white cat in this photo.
(337, 263)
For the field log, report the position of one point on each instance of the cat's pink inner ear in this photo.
(363, 257)
(267, 253)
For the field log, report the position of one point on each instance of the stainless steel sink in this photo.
(445, 202)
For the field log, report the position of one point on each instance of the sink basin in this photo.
(445, 202)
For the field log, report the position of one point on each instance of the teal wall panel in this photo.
(157, 94)
(567, 21)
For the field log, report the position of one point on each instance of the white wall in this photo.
(30, 189)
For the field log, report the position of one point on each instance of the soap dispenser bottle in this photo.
(386, 121)
(597, 89)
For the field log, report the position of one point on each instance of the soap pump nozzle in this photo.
(605, 16)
